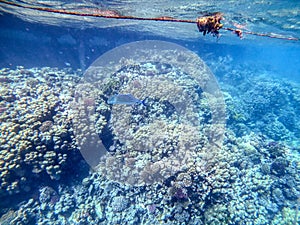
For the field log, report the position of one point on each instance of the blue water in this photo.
(53, 170)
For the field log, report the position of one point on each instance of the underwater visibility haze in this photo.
(149, 112)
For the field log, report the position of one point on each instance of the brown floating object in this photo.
(210, 24)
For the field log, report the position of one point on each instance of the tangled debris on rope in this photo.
(210, 23)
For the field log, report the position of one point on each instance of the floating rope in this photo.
(210, 23)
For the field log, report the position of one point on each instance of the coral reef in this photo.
(229, 188)
(183, 116)
(250, 179)
(265, 103)
(35, 126)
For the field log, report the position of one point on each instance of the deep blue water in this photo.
(31, 44)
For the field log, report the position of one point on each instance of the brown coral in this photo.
(34, 130)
